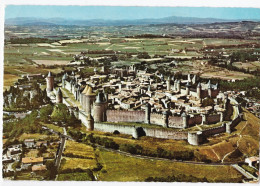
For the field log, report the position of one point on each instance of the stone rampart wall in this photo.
(213, 118)
(125, 116)
(175, 122)
(197, 119)
(156, 118)
(214, 131)
(166, 134)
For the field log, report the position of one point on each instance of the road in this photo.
(59, 154)
(163, 159)
(245, 173)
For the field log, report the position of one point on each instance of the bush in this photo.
(177, 178)
(131, 148)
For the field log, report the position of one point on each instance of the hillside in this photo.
(243, 142)
(103, 22)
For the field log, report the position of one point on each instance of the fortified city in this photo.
(151, 100)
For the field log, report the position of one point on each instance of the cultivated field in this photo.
(79, 149)
(50, 62)
(74, 163)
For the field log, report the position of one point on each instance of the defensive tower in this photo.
(50, 82)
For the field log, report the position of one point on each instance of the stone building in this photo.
(50, 82)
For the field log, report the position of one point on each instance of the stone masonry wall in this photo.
(166, 134)
(175, 122)
(194, 120)
(125, 116)
(213, 118)
(152, 132)
(123, 129)
(214, 131)
(156, 119)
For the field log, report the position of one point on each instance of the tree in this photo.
(42, 150)
(60, 113)
(45, 112)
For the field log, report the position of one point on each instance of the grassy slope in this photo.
(217, 147)
(79, 149)
(245, 138)
(123, 168)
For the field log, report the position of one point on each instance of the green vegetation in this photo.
(30, 40)
(78, 176)
(251, 170)
(243, 56)
(78, 150)
(61, 113)
(69, 165)
(117, 167)
(29, 124)
(45, 113)
(53, 127)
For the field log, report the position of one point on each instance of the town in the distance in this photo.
(153, 102)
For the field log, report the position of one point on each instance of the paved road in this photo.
(245, 173)
(61, 148)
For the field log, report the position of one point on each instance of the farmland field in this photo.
(79, 149)
(74, 163)
(50, 62)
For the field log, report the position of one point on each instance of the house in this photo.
(13, 150)
(7, 160)
(252, 161)
(36, 168)
(41, 143)
(28, 161)
(29, 143)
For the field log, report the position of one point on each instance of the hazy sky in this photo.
(116, 12)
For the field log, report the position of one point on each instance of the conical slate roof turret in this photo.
(49, 74)
(59, 91)
(85, 90)
(100, 98)
(89, 92)
(64, 76)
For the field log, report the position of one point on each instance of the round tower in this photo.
(184, 120)
(199, 91)
(59, 96)
(90, 123)
(194, 138)
(100, 108)
(165, 119)
(64, 77)
(83, 97)
(89, 99)
(179, 86)
(50, 82)
(168, 83)
(187, 89)
(147, 113)
(210, 90)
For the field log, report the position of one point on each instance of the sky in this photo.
(117, 12)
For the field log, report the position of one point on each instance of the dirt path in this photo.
(237, 144)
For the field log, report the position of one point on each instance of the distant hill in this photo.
(102, 22)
